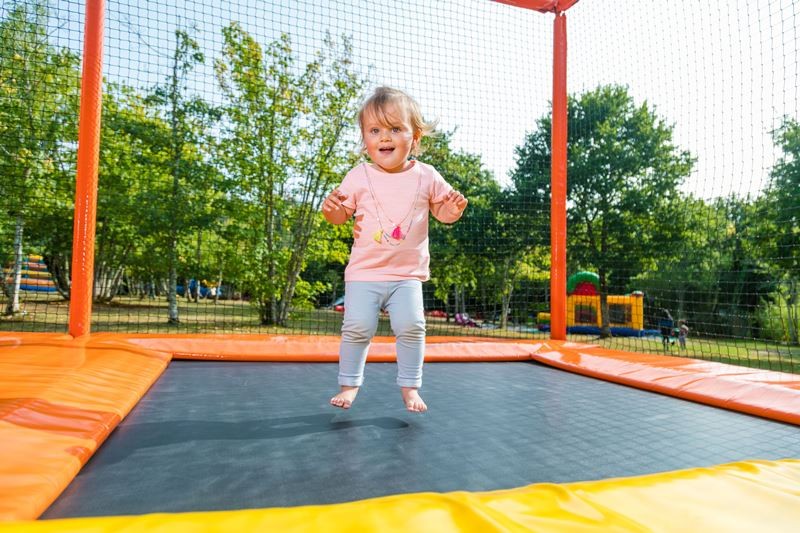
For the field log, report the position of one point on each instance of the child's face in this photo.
(389, 139)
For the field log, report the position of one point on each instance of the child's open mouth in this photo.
(386, 150)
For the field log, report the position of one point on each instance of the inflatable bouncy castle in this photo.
(625, 312)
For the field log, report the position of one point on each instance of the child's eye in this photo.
(395, 130)
(374, 131)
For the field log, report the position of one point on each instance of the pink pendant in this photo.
(396, 233)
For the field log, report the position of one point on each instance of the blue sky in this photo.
(723, 77)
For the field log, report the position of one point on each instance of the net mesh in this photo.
(225, 125)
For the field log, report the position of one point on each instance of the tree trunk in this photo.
(605, 329)
(103, 282)
(792, 313)
(172, 288)
(680, 296)
(264, 314)
(219, 287)
(506, 305)
(16, 272)
(198, 257)
(508, 290)
(59, 267)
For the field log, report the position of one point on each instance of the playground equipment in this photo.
(35, 276)
(584, 315)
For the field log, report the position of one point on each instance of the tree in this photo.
(133, 160)
(742, 282)
(283, 147)
(622, 184)
(39, 87)
(459, 258)
(185, 208)
(780, 239)
(715, 278)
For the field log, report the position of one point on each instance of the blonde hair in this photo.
(376, 106)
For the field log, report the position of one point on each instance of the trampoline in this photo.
(255, 435)
(219, 435)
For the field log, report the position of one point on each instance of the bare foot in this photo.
(345, 398)
(412, 400)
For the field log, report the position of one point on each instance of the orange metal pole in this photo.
(558, 184)
(83, 231)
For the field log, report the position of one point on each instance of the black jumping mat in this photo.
(229, 435)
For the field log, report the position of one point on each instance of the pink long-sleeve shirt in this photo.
(394, 199)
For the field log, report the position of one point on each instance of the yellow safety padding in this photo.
(761, 496)
(59, 399)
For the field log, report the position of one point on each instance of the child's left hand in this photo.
(455, 202)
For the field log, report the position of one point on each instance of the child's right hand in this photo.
(333, 202)
(333, 210)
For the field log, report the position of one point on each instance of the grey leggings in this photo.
(363, 301)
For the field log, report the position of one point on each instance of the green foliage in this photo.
(38, 106)
(779, 225)
(232, 195)
(622, 185)
(132, 163)
(38, 130)
(716, 258)
(457, 260)
(490, 250)
(282, 150)
(182, 204)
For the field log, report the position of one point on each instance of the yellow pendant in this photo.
(378, 236)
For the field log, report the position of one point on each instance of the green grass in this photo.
(744, 352)
(46, 313)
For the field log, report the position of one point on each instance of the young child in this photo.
(390, 197)
(683, 332)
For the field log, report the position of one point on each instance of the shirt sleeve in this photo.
(349, 186)
(439, 188)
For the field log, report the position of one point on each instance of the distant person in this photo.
(666, 325)
(390, 197)
(683, 332)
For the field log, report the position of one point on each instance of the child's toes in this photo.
(337, 402)
(416, 407)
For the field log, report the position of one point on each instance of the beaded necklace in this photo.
(397, 236)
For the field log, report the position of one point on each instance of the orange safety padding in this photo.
(59, 400)
(769, 394)
(324, 349)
